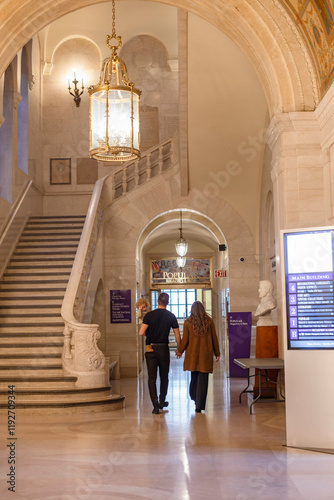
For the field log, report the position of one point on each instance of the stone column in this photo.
(297, 176)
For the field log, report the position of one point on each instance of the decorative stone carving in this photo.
(87, 355)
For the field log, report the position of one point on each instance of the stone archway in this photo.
(264, 30)
(130, 218)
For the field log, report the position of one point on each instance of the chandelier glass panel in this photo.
(114, 109)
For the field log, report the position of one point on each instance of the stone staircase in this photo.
(31, 326)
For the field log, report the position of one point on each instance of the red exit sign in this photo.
(220, 273)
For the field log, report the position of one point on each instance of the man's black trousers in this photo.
(159, 358)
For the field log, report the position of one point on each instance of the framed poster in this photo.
(197, 273)
(120, 306)
(60, 170)
(309, 288)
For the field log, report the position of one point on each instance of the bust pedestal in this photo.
(266, 346)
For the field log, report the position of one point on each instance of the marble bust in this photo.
(267, 303)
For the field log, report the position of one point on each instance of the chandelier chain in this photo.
(113, 19)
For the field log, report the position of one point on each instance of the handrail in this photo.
(68, 306)
(14, 209)
(81, 356)
(15, 221)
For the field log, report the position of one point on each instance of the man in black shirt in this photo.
(156, 326)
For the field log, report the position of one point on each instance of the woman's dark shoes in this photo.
(198, 411)
(155, 410)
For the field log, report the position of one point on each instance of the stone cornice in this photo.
(283, 125)
(325, 115)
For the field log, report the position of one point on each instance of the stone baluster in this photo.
(136, 172)
(124, 180)
(161, 160)
(113, 187)
(148, 166)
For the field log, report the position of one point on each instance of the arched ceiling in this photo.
(164, 229)
(168, 233)
(264, 29)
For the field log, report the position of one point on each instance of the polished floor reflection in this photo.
(224, 453)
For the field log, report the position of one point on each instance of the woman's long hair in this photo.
(199, 318)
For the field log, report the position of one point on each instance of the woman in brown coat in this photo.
(200, 342)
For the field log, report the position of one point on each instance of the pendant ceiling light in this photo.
(181, 261)
(181, 246)
(114, 109)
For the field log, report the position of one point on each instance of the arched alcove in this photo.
(147, 63)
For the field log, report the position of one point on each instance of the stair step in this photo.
(35, 319)
(27, 370)
(32, 359)
(25, 334)
(55, 222)
(32, 329)
(38, 321)
(46, 225)
(29, 381)
(18, 348)
(32, 267)
(40, 279)
(10, 287)
(30, 295)
(32, 273)
(54, 232)
(45, 246)
(47, 261)
(107, 403)
(36, 254)
(27, 302)
(41, 239)
(29, 357)
(7, 362)
(29, 308)
(53, 395)
(56, 217)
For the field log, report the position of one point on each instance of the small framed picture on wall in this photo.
(60, 170)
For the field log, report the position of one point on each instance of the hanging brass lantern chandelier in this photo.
(114, 109)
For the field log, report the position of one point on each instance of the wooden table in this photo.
(263, 365)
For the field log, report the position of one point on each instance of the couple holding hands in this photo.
(199, 342)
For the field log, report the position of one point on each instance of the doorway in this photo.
(180, 302)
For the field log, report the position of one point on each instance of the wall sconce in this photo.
(76, 92)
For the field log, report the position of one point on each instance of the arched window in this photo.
(6, 139)
(22, 116)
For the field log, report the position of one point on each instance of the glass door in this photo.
(180, 302)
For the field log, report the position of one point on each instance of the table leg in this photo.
(259, 394)
(246, 389)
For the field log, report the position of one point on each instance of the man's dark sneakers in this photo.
(164, 404)
(155, 410)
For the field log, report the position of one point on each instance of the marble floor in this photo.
(130, 454)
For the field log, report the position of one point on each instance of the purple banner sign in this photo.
(239, 340)
(120, 306)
